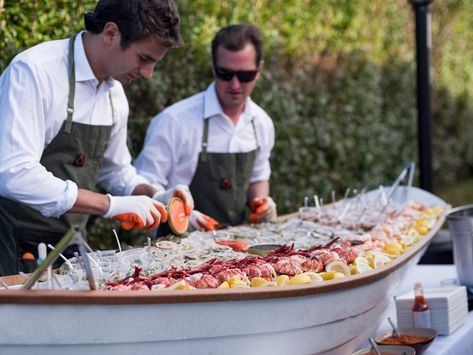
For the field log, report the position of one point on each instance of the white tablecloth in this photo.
(459, 342)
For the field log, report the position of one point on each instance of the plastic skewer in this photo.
(347, 192)
(316, 201)
(68, 263)
(118, 240)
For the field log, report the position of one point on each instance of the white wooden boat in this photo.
(331, 317)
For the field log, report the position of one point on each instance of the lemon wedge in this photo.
(329, 275)
(224, 284)
(407, 240)
(282, 280)
(393, 248)
(360, 267)
(379, 260)
(313, 276)
(180, 285)
(257, 281)
(338, 266)
(235, 282)
(299, 280)
(338, 275)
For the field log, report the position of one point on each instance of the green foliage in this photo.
(339, 83)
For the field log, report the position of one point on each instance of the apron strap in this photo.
(111, 105)
(72, 85)
(205, 140)
(254, 131)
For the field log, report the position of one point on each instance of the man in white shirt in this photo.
(63, 128)
(219, 141)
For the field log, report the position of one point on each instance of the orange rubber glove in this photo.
(136, 212)
(181, 191)
(263, 209)
(200, 221)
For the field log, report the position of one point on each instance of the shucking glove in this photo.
(136, 212)
(263, 209)
(200, 221)
(181, 191)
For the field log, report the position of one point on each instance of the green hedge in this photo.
(339, 83)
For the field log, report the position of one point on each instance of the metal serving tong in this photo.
(74, 236)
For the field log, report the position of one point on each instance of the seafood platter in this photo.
(316, 281)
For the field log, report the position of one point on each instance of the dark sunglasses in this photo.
(245, 76)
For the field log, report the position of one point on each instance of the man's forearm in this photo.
(258, 189)
(144, 189)
(89, 202)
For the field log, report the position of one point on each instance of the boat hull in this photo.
(330, 317)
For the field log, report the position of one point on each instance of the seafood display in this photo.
(352, 236)
(169, 316)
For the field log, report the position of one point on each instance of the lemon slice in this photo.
(224, 284)
(394, 248)
(299, 280)
(360, 267)
(338, 266)
(379, 260)
(282, 280)
(313, 276)
(338, 275)
(238, 284)
(361, 260)
(407, 240)
(180, 285)
(237, 279)
(269, 284)
(257, 281)
(329, 275)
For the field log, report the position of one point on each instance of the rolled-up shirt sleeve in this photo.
(24, 102)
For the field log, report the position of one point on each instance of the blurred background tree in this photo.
(339, 83)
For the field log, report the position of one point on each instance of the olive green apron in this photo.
(221, 182)
(76, 154)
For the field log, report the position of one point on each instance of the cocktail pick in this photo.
(118, 240)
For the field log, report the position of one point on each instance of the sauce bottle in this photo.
(420, 310)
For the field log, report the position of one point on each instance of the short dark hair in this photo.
(137, 20)
(235, 38)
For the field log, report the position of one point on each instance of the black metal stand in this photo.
(423, 53)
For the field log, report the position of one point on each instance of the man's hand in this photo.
(136, 212)
(181, 191)
(200, 221)
(263, 209)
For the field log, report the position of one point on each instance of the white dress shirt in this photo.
(33, 102)
(174, 139)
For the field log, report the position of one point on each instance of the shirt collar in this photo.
(83, 70)
(212, 106)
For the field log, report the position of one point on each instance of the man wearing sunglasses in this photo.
(218, 141)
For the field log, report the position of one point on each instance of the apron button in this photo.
(80, 160)
(225, 184)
